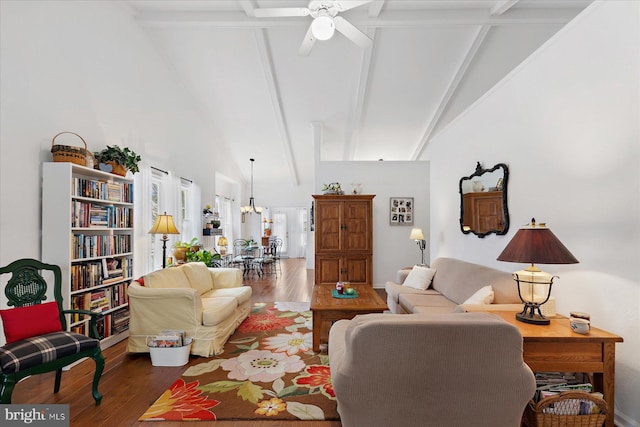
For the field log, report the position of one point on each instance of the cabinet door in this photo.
(489, 214)
(358, 269)
(328, 269)
(328, 226)
(357, 226)
(349, 268)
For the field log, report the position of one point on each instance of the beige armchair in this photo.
(459, 369)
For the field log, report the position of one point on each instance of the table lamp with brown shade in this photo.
(535, 244)
(164, 225)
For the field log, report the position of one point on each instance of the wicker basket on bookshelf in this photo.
(68, 153)
(563, 405)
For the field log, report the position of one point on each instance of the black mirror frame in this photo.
(479, 171)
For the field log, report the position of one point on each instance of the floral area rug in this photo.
(268, 371)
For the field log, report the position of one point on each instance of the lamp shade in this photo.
(222, 241)
(164, 225)
(416, 234)
(536, 245)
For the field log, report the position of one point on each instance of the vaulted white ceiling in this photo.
(429, 61)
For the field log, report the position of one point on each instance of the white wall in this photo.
(86, 67)
(566, 122)
(392, 249)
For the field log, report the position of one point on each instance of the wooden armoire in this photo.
(343, 238)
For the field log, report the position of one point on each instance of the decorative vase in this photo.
(478, 186)
(117, 169)
(267, 232)
(215, 223)
(180, 254)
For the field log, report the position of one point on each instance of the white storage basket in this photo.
(170, 356)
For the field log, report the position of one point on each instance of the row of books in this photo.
(111, 191)
(90, 274)
(91, 246)
(85, 214)
(108, 325)
(99, 301)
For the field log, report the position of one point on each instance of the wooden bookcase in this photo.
(87, 230)
(343, 239)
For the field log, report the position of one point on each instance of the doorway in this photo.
(291, 225)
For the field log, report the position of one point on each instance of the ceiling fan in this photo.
(325, 21)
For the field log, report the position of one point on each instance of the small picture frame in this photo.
(401, 210)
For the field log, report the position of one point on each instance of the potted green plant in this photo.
(181, 249)
(204, 256)
(120, 159)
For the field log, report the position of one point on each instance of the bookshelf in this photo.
(87, 230)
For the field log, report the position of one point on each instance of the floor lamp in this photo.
(164, 225)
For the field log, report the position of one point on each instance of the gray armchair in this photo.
(462, 369)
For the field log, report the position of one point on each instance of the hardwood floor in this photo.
(130, 384)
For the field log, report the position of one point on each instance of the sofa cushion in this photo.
(458, 280)
(411, 301)
(242, 294)
(167, 278)
(419, 277)
(226, 277)
(419, 309)
(217, 310)
(483, 295)
(199, 276)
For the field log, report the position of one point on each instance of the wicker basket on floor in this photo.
(67, 153)
(563, 404)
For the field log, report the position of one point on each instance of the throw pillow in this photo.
(419, 277)
(482, 296)
(26, 322)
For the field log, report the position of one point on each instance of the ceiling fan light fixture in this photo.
(323, 27)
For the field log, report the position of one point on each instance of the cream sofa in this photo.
(207, 303)
(453, 283)
(462, 369)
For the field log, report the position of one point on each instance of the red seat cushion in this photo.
(26, 322)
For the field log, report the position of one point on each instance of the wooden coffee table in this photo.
(326, 309)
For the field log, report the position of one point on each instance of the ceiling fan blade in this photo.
(276, 12)
(307, 43)
(352, 33)
(349, 4)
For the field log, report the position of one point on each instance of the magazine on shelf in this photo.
(167, 338)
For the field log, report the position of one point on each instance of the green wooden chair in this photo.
(25, 291)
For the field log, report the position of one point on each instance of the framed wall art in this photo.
(401, 210)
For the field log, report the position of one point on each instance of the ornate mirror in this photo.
(483, 201)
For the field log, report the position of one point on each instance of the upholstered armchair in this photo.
(462, 369)
(36, 332)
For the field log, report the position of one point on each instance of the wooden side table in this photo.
(326, 309)
(556, 348)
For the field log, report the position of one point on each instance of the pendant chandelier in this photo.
(251, 207)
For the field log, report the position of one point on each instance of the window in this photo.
(155, 240)
(186, 201)
(223, 207)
